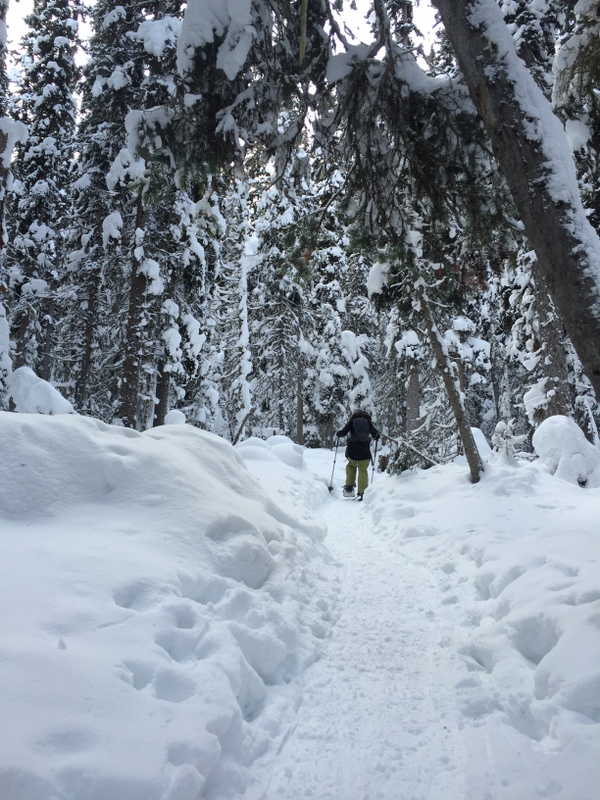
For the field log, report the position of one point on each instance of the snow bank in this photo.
(32, 395)
(565, 452)
(277, 459)
(175, 417)
(517, 559)
(158, 607)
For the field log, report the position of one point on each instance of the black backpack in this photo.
(360, 427)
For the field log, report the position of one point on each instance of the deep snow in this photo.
(182, 619)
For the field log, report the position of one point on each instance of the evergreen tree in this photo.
(575, 99)
(141, 250)
(10, 133)
(40, 206)
(238, 257)
(102, 226)
(539, 169)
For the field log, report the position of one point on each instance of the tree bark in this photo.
(90, 320)
(300, 409)
(446, 368)
(4, 162)
(541, 176)
(130, 373)
(163, 386)
(413, 396)
(554, 359)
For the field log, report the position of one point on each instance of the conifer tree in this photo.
(102, 223)
(539, 170)
(40, 206)
(10, 133)
(238, 258)
(142, 224)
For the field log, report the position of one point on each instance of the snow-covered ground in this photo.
(182, 619)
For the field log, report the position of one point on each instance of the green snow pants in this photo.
(363, 473)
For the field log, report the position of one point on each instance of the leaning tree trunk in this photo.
(531, 149)
(447, 368)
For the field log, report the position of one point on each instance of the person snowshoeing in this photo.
(359, 429)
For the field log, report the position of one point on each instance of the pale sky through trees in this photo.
(18, 9)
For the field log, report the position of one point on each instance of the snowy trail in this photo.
(377, 717)
(163, 611)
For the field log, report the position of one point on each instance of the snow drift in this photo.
(156, 606)
(164, 593)
(517, 558)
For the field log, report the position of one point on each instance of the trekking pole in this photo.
(337, 442)
(374, 461)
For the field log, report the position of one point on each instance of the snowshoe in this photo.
(348, 491)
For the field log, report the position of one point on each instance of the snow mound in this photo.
(157, 610)
(175, 417)
(253, 441)
(32, 395)
(564, 452)
(282, 459)
(279, 438)
(275, 447)
(289, 453)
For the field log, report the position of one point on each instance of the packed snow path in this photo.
(377, 717)
(179, 623)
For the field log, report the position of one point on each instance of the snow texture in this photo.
(565, 452)
(207, 20)
(341, 65)
(377, 278)
(32, 395)
(15, 132)
(175, 626)
(158, 34)
(175, 417)
(162, 606)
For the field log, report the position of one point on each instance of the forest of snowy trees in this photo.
(237, 210)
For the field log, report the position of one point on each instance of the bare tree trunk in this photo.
(5, 161)
(446, 368)
(3, 179)
(130, 373)
(163, 385)
(25, 321)
(518, 119)
(237, 435)
(89, 328)
(47, 334)
(554, 359)
(300, 410)
(413, 396)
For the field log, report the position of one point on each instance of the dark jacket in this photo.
(357, 451)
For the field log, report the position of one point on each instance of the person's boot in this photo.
(348, 491)
(359, 496)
